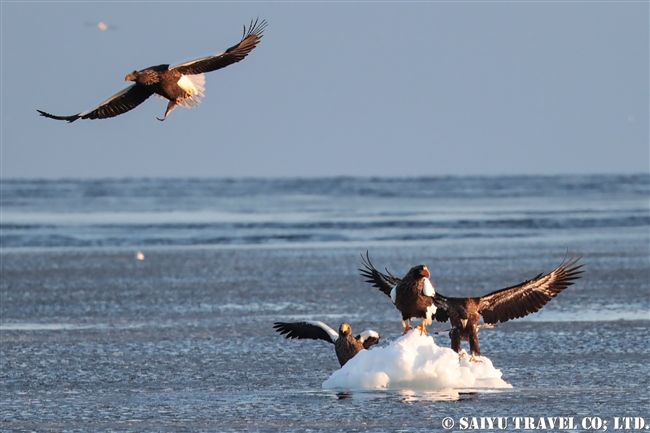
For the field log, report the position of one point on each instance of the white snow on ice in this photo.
(414, 362)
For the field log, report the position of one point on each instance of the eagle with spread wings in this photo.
(345, 345)
(499, 306)
(181, 85)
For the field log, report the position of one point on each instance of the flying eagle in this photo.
(412, 295)
(345, 344)
(182, 85)
(499, 306)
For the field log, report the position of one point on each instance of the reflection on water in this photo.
(412, 396)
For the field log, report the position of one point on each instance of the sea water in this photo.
(96, 338)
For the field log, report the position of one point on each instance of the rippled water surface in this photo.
(93, 339)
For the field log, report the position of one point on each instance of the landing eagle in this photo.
(181, 85)
(499, 306)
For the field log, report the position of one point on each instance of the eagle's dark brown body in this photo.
(166, 83)
(169, 89)
(499, 306)
(161, 81)
(464, 316)
(347, 346)
(409, 297)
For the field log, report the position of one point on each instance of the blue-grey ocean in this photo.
(147, 304)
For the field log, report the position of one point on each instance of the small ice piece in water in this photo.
(139, 255)
(415, 362)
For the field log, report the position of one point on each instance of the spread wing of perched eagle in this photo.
(345, 344)
(412, 295)
(499, 306)
(181, 85)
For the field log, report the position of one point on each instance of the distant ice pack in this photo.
(414, 362)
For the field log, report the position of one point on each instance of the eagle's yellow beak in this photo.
(425, 272)
(345, 328)
(129, 77)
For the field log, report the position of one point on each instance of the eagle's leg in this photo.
(422, 328)
(170, 107)
(406, 323)
(473, 344)
(454, 335)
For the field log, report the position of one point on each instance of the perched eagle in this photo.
(412, 295)
(181, 85)
(499, 306)
(345, 344)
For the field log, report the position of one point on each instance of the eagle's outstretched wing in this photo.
(232, 55)
(368, 338)
(529, 296)
(312, 330)
(384, 282)
(117, 104)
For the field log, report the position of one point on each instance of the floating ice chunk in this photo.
(414, 362)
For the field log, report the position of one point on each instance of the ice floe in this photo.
(414, 361)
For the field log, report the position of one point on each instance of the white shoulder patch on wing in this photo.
(393, 294)
(332, 333)
(367, 334)
(431, 311)
(428, 289)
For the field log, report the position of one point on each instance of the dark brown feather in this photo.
(302, 330)
(70, 119)
(232, 55)
(114, 106)
(505, 304)
(135, 96)
(409, 299)
(345, 345)
(383, 282)
(529, 296)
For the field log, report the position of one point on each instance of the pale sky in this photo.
(354, 89)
